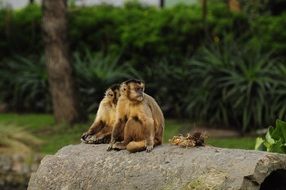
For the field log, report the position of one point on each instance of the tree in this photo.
(204, 10)
(60, 73)
(162, 3)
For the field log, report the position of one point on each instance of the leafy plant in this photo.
(167, 82)
(235, 84)
(95, 73)
(24, 84)
(275, 139)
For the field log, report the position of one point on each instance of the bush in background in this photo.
(95, 73)
(141, 34)
(24, 81)
(20, 32)
(236, 84)
(271, 31)
(24, 84)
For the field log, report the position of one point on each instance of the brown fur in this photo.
(101, 129)
(140, 117)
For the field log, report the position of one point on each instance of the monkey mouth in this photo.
(140, 98)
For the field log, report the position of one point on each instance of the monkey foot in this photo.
(109, 148)
(149, 148)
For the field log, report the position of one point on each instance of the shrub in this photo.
(143, 33)
(95, 73)
(24, 84)
(167, 81)
(237, 85)
(271, 31)
(24, 81)
(20, 32)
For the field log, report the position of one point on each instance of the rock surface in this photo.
(16, 169)
(87, 167)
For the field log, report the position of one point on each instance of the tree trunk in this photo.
(31, 2)
(91, 167)
(61, 80)
(162, 3)
(204, 10)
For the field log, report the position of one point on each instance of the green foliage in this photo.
(24, 84)
(24, 81)
(237, 85)
(232, 142)
(167, 80)
(271, 31)
(145, 33)
(95, 73)
(227, 83)
(32, 122)
(275, 139)
(20, 31)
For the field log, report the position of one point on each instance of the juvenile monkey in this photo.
(140, 118)
(100, 130)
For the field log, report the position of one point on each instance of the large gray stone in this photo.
(16, 169)
(87, 167)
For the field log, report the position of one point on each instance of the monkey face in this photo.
(133, 90)
(137, 91)
(110, 95)
(116, 95)
(123, 89)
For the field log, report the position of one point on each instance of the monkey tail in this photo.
(136, 146)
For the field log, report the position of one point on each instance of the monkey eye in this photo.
(139, 89)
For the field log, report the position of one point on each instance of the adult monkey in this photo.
(100, 130)
(139, 117)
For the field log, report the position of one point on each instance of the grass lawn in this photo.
(57, 136)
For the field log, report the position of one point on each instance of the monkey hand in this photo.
(110, 147)
(84, 137)
(149, 148)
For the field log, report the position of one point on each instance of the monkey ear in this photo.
(108, 91)
(143, 85)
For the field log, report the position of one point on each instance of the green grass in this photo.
(57, 136)
(34, 122)
(233, 142)
(172, 128)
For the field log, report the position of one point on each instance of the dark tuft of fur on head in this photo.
(114, 87)
(133, 81)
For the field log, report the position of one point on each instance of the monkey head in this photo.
(112, 93)
(133, 89)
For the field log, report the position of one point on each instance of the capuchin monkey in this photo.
(139, 119)
(100, 130)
